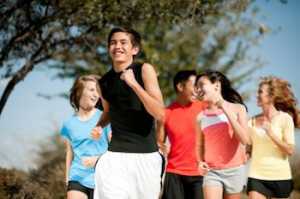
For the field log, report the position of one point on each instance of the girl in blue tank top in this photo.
(82, 151)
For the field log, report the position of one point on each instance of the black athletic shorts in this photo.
(76, 186)
(182, 187)
(271, 188)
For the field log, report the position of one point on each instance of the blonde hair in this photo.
(282, 96)
(78, 87)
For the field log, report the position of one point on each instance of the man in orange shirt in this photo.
(183, 179)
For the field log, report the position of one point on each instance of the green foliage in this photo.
(177, 35)
(70, 36)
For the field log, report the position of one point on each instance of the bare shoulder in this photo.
(148, 68)
(238, 108)
(147, 65)
(149, 74)
(241, 108)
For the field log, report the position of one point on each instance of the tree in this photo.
(70, 35)
(45, 182)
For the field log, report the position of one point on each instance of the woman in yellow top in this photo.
(272, 136)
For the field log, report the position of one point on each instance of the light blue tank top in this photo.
(78, 133)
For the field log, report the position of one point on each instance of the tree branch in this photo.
(20, 75)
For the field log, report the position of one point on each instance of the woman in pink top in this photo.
(222, 135)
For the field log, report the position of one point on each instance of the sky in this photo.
(28, 120)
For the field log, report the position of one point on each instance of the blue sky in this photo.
(280, 50)
(27, 119)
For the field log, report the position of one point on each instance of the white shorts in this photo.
(128, 176)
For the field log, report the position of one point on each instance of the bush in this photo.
(45, 182)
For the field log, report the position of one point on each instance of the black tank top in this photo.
(132, 126)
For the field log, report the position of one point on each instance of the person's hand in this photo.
(266, 125)
(89, 161)
(203, 166)
(109, 136)
(128, 76)
(96, 133)
(220, 102)
(164, 149)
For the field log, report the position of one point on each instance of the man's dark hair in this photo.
(182, 76)
(135, 37)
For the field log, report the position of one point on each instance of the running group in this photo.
(122, 142)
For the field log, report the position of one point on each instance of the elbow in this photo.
(247, 141)
(244, 142)
(160, 144)
(290, 151)
(246, 138)
(160, 116)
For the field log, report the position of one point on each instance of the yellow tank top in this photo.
(268, 162)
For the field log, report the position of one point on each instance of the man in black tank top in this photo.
(132, 101)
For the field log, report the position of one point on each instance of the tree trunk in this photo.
(20, 75)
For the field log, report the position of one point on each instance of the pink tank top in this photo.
(222, 149)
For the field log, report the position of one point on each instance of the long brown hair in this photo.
(282, 96)
(78, 86)
(227, 91)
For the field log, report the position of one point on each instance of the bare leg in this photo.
(256, 195)
(213, 192)
(232, 196)
(76, 195)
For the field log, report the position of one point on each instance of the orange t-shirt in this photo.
(180, 128)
